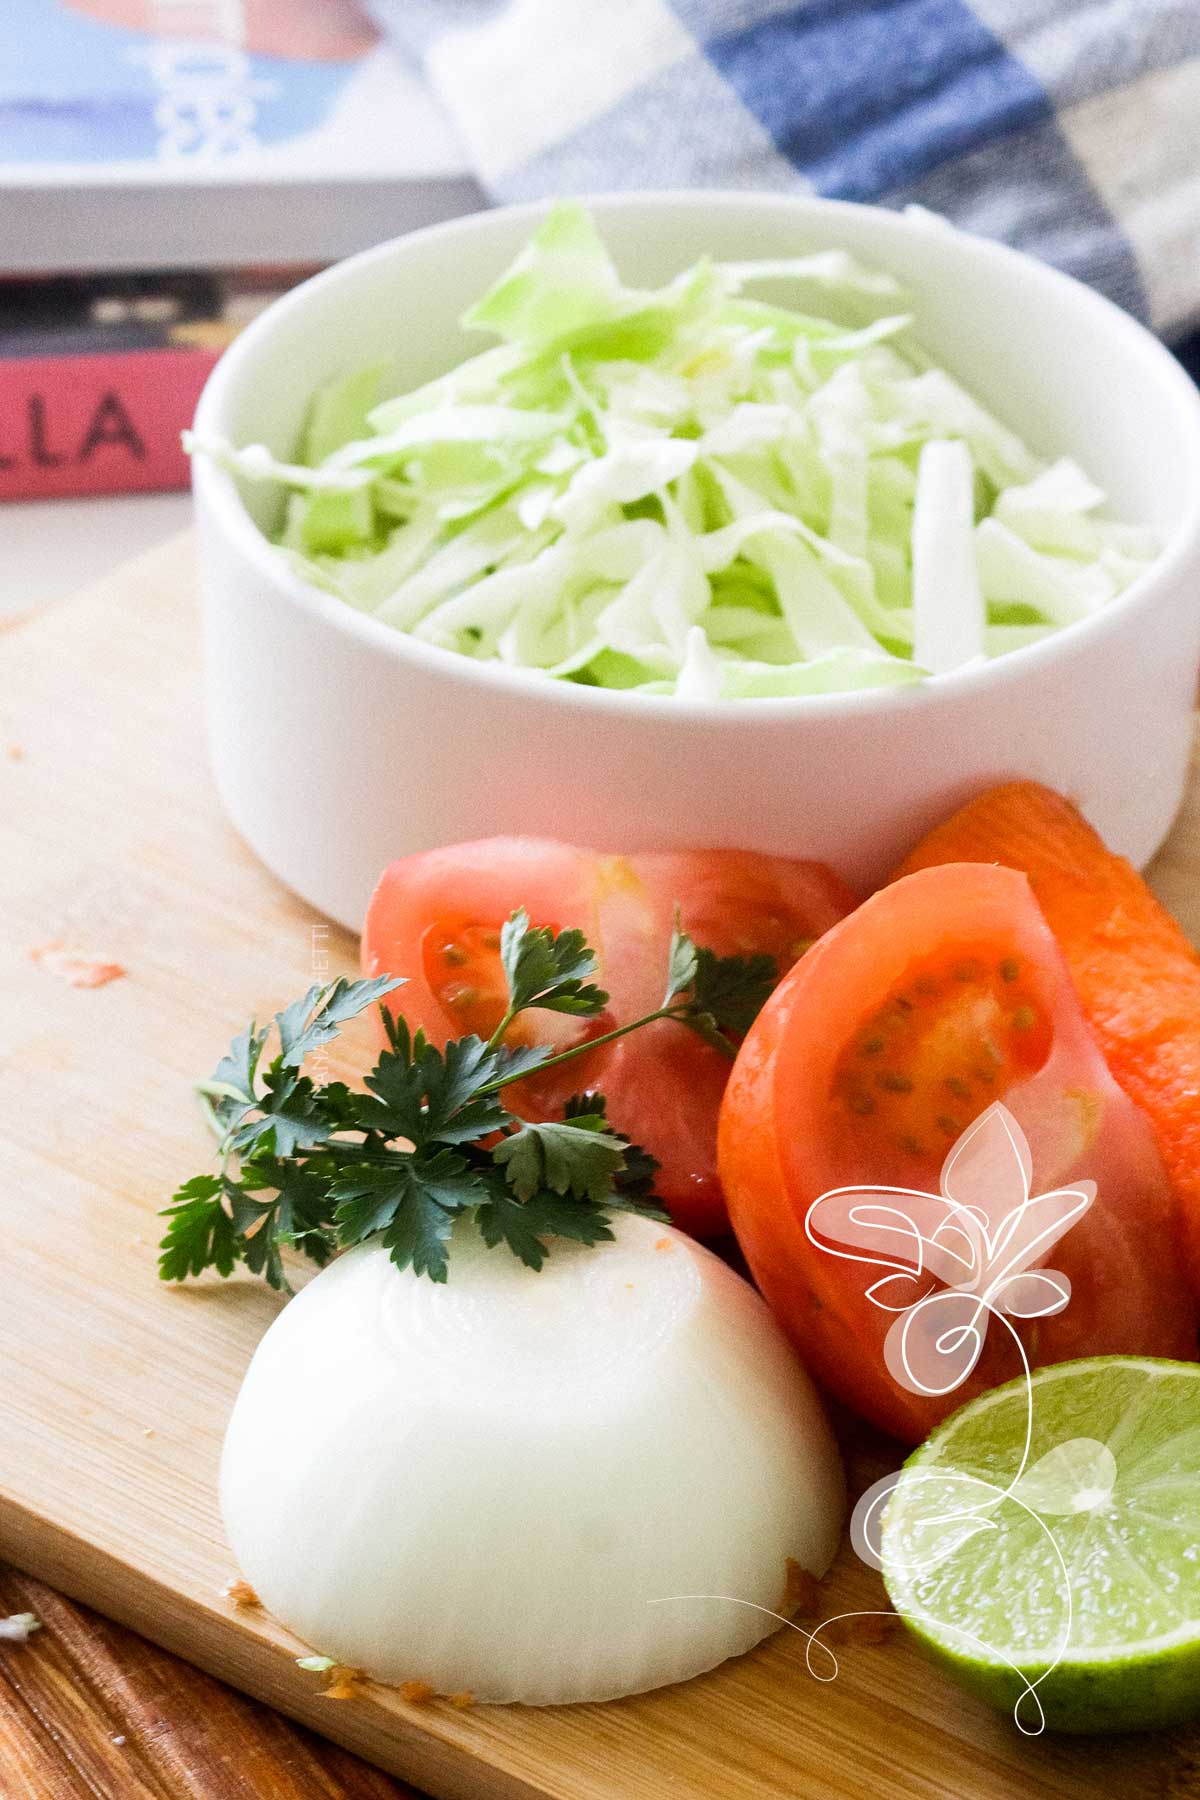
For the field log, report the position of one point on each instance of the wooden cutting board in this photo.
(114, 1390)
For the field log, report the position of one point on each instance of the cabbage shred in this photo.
(693, 491)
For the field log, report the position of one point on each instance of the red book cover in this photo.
(101, 423)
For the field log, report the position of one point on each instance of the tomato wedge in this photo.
(435, 918)
(1136, 974)
(942, 994)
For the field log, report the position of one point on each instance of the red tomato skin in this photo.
(777, 1155)
(663, 1084)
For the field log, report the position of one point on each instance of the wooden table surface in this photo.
(89, 1711)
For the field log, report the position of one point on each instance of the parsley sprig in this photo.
(428, 1141)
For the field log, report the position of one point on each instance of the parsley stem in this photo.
(210, 1112)
(497, 1037)
(702, 1025)
(679, 1013)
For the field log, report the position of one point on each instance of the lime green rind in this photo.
(1093, 1698)
(1132, 1660)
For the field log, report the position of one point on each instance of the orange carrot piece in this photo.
(1137, 975)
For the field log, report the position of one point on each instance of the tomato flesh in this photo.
(942, 1046)
(463, 970)
(435, 919)
(939, 996)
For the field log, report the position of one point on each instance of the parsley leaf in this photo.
(231, 1088)
(201, 1234)
(576, 1156)
(419, 1236)
(296, 1218)
(681, 964)
(411, 1199)
(633, 1185)
(290, 1117)
(548, 969)
(719, 997)
(407, 1044)
(316, 1167)
(217, 1222)
(732, 990)
(515, 1060)
(525, 1225)
(429, 1095)
(319, 1015)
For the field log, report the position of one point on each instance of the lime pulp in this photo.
(1059, 1577)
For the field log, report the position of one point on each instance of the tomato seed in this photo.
(491, 940)
(1010, 968)
(894, 1082)
(871, 1046)
(950, 1126)
(459, 995)
(958, 1087)
(454, 954)
(911, 1144)
(1024, 1019)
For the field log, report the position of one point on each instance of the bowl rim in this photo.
(217, 492)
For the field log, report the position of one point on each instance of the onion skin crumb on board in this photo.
(872, 1628)
(865, 1629)
(345, 1684)
(462, 1699)
(73, 967)
(417, 1693)
(241, 1593)
(801, 1592)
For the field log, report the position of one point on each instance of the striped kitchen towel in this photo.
(1070, 128)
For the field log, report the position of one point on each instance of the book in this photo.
(98, 376)
(211, 134)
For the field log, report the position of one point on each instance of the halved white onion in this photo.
(505, 1484)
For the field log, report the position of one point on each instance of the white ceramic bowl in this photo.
(338, 743)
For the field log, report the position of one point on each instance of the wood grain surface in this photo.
(114, 1390)
(91, 1711)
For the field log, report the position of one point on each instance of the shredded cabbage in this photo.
(693, 490)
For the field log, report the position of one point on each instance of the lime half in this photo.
(1060, 1577)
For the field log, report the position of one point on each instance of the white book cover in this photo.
(160, 132)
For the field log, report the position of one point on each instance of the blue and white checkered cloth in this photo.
(1070, 128)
